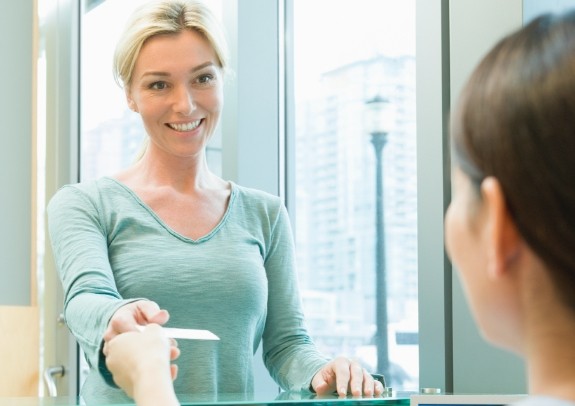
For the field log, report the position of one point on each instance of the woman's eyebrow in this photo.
(166, 74)
(202, 66)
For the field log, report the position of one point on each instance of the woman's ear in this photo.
(503, 240)
(131, 103)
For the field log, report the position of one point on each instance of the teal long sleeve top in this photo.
(239, 281)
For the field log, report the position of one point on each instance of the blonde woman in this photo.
(167, 241)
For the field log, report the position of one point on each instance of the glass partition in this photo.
(355, 182)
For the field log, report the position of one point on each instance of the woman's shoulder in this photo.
(87, 191)
(89, 187)
(255, 197)
(257, 206)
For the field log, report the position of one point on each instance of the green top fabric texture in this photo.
(239, 281)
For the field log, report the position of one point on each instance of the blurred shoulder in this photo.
(252, 196)
(88, 191)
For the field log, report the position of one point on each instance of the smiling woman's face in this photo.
(177, 89)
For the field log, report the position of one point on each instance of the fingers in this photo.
(324, 381)
(174, 371)
(173, 342)
(150, 312)
(371, 387)
(378, 388)
(106, 350)
(343, 371)
(132, 315)
(174, 350)
(344, 376)
(350, 375)
(122, 321)
(368, 384)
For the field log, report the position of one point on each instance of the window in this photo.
(340, 62)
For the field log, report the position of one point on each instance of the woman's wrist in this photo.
(154, 386)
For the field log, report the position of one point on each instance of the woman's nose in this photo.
(184, 101)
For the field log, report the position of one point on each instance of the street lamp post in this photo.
(378, 123)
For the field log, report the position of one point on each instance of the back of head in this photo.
(515, 121)
(161, 17)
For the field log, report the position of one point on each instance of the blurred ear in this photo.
(131, 103)
(503, 240)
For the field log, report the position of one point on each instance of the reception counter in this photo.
(284, 398)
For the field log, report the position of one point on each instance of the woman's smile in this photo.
(185, 127)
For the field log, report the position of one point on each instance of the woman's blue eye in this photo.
(205, 79)
(158, 85)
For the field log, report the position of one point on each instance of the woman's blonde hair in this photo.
(160, 17)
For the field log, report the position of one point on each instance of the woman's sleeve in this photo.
(289, 353)
(80, 249)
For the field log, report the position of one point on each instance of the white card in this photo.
(190, 334)
(187, 333)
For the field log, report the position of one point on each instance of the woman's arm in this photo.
(80, 248)
(289, 352)
(93, 307)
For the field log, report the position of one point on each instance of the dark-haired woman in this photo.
(510, 228)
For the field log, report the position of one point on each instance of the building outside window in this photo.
(341, 62)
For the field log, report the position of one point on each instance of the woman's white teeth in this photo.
(186, 126)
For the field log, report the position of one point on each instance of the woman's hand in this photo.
(140, 364)
(344, 376)
(130, 316)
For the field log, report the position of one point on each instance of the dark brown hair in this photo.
(515, 121)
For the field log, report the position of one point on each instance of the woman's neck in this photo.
(550, 367)
(549, 336)
(157, 169)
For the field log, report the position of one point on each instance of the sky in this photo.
(332, 33)
(341, 31)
